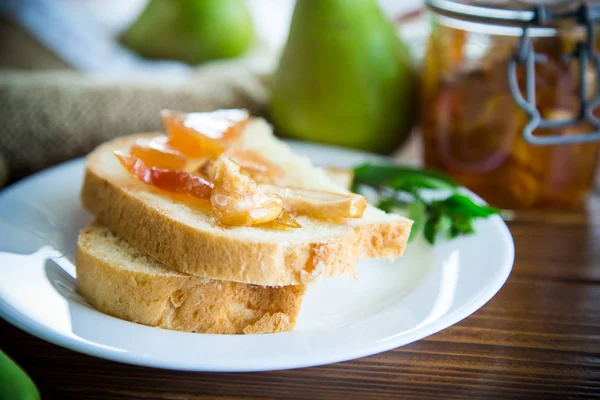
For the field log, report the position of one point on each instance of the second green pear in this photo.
(345, 77)
(192, 31)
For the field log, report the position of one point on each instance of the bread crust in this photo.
(172, 300)
(133, 210)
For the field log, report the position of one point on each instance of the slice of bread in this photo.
(119, 280)
(185, 236)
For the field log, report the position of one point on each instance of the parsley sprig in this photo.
(400, 189)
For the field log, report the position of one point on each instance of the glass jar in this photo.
(473, 127)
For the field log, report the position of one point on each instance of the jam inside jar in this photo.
(472, 126)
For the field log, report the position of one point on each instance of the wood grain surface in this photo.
(538, 338)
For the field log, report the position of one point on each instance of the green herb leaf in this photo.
(400, 188)
(389, 203)
(429, 229)
(401, 178)
(461, 226)
(444, 225)
(412, 183)
(417, 211)
(465, 206)
(437, 224)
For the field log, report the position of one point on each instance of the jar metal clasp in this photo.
(584, 52)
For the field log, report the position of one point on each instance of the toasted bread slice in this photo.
(185, 236)
(119, 280)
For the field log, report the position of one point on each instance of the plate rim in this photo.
(35, 328)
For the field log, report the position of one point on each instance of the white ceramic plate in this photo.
(390, 305)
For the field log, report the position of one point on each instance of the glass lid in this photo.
(513, 11)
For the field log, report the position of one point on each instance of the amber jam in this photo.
(198, 159)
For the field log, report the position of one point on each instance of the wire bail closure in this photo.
(584, 15)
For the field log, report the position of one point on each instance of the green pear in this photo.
(192, 31)
(344, 78)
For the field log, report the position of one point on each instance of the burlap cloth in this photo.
(51, 114)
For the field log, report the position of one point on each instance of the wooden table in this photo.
(539, 338)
